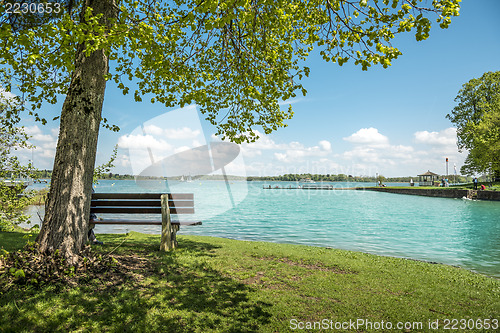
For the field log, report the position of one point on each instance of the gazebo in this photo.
(427, 178)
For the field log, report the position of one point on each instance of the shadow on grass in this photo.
(171, 292)
(12, 241)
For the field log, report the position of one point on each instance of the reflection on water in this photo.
(452, 231)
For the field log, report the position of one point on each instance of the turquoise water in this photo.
(452, 231)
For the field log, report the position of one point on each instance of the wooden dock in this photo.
(276, 187)
(16, 183)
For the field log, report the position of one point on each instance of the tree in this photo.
(236, 59)
(12, 137)
(477, 117)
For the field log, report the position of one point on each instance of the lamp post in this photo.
(447, 167)
(455, 173)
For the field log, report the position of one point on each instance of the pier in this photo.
(15, 183)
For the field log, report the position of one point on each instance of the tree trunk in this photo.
(67, 210)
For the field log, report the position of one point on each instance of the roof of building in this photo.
(429, 173)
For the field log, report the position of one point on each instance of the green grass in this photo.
(39, 196)
(494, 186)
(11, 241)
(216, 284)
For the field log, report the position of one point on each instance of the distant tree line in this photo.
(44, 174)
(347, 178)
(116, 176)
(47, 174)
(318, 178)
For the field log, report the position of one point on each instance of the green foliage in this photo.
(330, 178)
(477, 117)
(235, 59)
(29, 267)
(12, 138)
(43, 174)
(102, 171)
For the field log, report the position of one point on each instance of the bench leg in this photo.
(90, 233)
(175, 228)
(168, 237)
(168, 231)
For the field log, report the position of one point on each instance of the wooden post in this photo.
(166, 225)
(174, 235)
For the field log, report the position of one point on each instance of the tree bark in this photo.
(67, 210)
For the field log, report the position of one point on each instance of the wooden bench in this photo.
(163, 204)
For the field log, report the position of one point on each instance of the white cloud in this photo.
(237, 168)
(264, 142)
(153, 130)
(159, 138)
(373, 152)
(43, 137)
(40, 139)
(51, 145)
(6, 94)
(325, 145)
(386, 155)
(280, 156)
(142, 142)
(172, 133)
(445, 137)
(368, 136)
(296, 152)
(32, 130)
(284, 152)
(295, 145)
(123, 160)
(326, 165)
(48, 153)
(45, 147)
(249, 153)
(37, 134)
(181, 133)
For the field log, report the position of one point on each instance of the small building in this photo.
(427, 179)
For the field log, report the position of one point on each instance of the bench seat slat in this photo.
(138, 210)
(145, 203)
(171, 196)
(143, 222)
(140, 203)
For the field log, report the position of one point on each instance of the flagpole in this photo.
(455, 176)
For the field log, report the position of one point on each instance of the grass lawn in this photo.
(216, 284)
(495, 186)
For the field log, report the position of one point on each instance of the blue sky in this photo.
(386, 121)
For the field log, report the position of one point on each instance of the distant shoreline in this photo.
(46, 174)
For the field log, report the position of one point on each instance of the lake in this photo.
(457, 232)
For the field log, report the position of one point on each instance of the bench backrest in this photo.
(140, 203)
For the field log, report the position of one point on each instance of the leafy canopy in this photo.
(12, 138)
(477, 117)
(234, 58)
